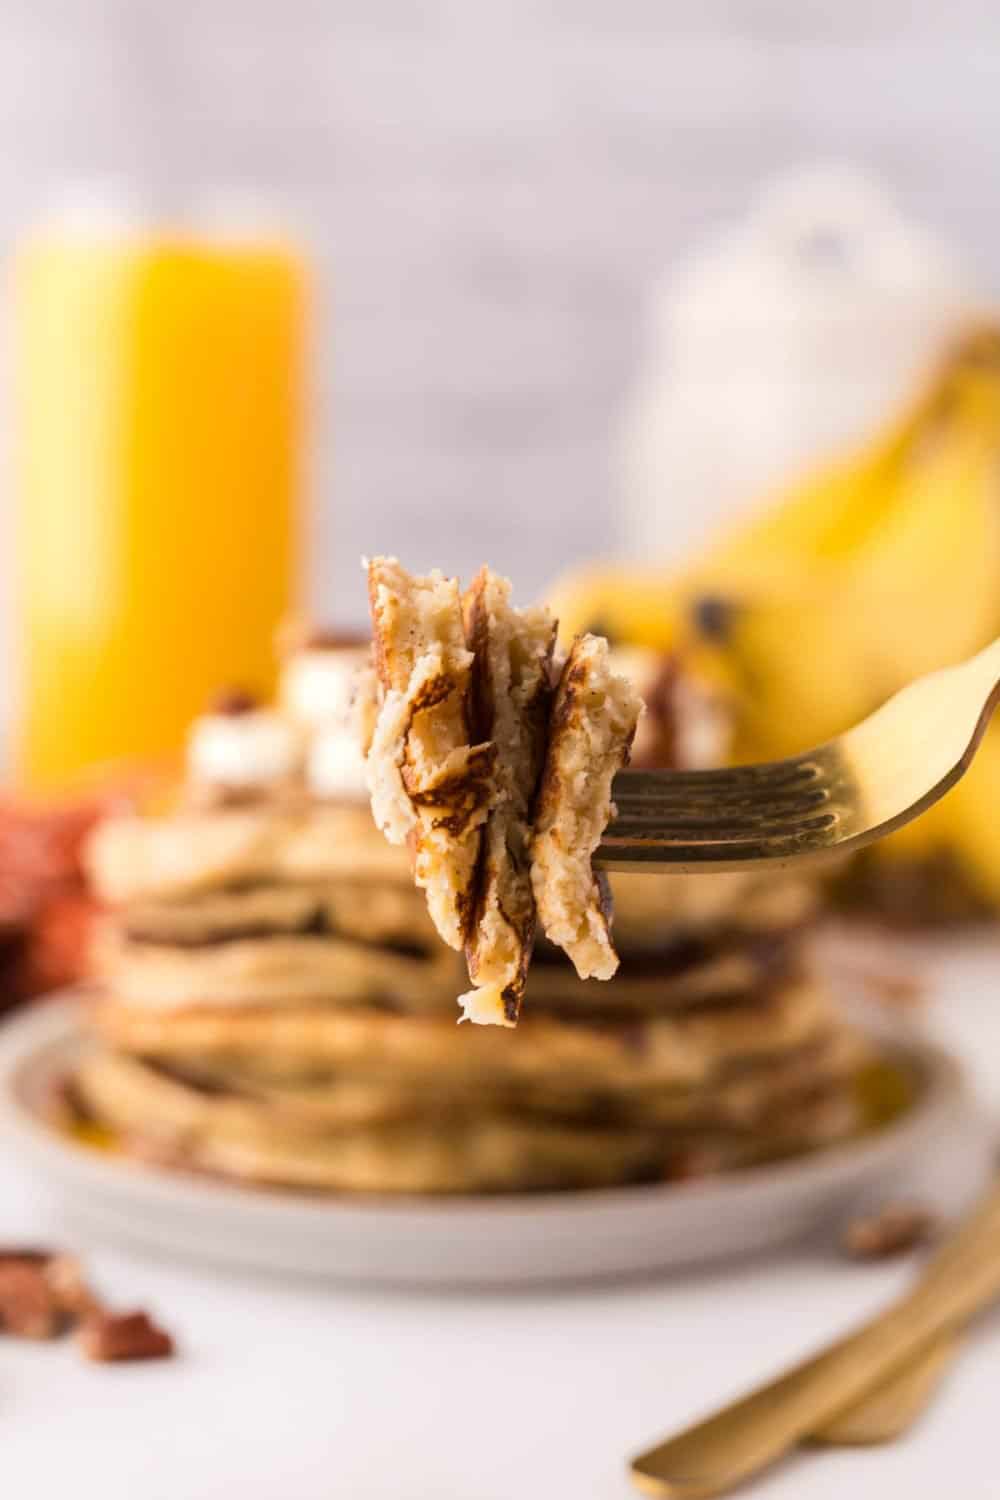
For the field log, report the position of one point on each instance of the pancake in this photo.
(740, 1096)
(692, 973)
(376, 912)
(652, 911)
(286, 1043)
(136, 858)
(393, 914)
(286, 944)
(174, 1122)
(181, 1100)
(506, 1156)
(217, 917)
(283, 970)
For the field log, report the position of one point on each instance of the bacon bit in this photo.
(57, 942)
(28, 1306)
(31, 1255)
(64, 1274)
(107, 1337)
(895, 1229)
(43, 1293)
(45, 909)
(692, 1163)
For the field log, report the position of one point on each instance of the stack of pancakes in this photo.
(274, 1005)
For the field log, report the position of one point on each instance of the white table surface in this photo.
(315, 1392)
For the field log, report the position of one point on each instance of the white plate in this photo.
(501, 1240)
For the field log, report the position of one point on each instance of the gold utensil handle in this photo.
(892, 1408)
(723, 1450)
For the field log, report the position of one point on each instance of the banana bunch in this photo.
(875, 569)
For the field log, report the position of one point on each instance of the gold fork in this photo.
(844, 794)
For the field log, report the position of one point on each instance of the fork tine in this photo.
(723, 827)
(731, 816)
(713, 854)
(711, 797)
(714, 805)
(771, 778)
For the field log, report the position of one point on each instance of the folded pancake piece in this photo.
(430, 787)
(511, 690)
(591, 730)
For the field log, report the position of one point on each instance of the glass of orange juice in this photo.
(159, 381)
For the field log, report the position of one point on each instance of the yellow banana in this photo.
(969, 819)
(628, 605)
(955, 553)
(811, 655)
(881, 567)
(930, 575)
(822, 518)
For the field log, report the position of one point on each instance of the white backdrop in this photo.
(491, 186)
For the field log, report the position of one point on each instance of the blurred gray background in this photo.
(490, 189)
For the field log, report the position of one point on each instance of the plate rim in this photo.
(54, 1023)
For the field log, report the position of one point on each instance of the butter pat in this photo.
(336, 765)
(244, 751)
(319, 683)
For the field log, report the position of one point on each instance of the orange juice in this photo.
(160, 390)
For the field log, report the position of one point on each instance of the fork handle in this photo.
(720, 1452)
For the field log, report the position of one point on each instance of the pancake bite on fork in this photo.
(504, 828)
